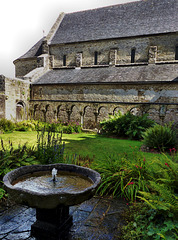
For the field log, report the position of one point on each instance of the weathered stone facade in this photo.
(92, 103)
(14, 98)
(165, 50)
(96, 62)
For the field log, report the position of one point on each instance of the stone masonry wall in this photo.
(17, 96)
(89, 104)
(2, 96)
(24, 66)
(165, 50)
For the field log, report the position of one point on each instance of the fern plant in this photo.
(127, 125)
(161, 198)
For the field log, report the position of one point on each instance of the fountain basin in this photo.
(50, 198)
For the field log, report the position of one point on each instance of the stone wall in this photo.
(165, 50)
(2, 96)
(17, 94)
(89, 104)
(24, 66)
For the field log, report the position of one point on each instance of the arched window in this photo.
(133, 55)
(96, 58)
(176, 53)
(64, 60)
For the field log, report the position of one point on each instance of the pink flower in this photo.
(140, 167)
(144, 159)
(136, 166)
(172, 149)
(131, 183)
(166, 164)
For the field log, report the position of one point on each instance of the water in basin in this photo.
(41, 182)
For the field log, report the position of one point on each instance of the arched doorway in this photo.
(20, 111)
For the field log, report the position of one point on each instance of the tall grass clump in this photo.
(129, 174)
(123, 175)
(160, 137)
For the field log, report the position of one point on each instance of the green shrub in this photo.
(127, 125)
(160, 137)
(72, 127)
(6, 125)
(26, 125)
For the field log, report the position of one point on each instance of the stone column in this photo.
(78, 59)
(112, 56)
(152, 54)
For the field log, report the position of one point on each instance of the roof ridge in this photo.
(98, 8)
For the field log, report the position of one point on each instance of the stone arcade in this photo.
(96, 62)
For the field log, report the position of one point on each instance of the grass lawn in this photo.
(83, 144)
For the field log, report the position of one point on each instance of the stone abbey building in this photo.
(96, 62)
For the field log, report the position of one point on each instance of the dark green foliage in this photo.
(160, 137)
(127, 125)
(156, 217)
(146, 223)
(11, 158)
(6, 125)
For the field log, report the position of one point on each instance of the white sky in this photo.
(22, 23)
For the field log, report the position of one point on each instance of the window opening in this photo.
(64, 60)
(176, 53)
(96, 58)
(133, 55)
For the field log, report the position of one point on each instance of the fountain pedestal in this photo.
(52, 223)
(30, 185)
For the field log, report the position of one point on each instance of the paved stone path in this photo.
(95, 219)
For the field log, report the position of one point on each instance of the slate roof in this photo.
(151, 72)
(144, 17)
(36, 50)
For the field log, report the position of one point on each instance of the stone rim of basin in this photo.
(50, 199)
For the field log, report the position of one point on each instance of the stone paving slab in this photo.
(95, 219)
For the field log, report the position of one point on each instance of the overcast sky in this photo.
(22, 23)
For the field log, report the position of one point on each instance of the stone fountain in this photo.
(51, 189)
